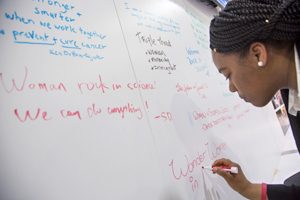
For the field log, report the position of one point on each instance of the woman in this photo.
(255, 45)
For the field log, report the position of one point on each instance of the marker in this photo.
(233, 170)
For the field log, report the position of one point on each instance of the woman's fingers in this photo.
(223, 162)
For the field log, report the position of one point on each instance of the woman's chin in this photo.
(258, 104)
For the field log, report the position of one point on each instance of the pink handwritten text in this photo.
(128, 108)
(24, 84)
(32, 115)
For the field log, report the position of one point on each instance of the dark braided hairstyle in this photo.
(243, 22)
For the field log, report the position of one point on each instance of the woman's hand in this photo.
(237, 182)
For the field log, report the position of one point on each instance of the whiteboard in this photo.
(120, 100)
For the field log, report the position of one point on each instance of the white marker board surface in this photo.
(120, 100)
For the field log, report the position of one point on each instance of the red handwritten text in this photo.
(213, 123)
(29, 115)
(100, 85)
(128, 108)
(67, 113)
(93, 110)
(212, 152)
(23, 84)
(166, 116)
(243, 113)
(215, 151)
(187, 88)
(143, 86)
(199, 115)
(190, 166)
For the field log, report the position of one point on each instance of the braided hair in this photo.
(243, 22)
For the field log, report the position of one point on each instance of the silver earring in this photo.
(260, 63)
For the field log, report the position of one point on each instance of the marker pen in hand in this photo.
(233, 170)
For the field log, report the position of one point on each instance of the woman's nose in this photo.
(232, 88)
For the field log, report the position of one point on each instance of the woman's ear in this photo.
(258, 52)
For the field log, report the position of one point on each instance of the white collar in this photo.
(294, 95)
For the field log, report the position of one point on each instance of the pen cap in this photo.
(234, 170)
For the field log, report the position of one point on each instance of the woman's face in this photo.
(252, 83)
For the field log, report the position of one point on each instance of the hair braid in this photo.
(245, 21)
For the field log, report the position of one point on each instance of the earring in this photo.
(260, 63)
